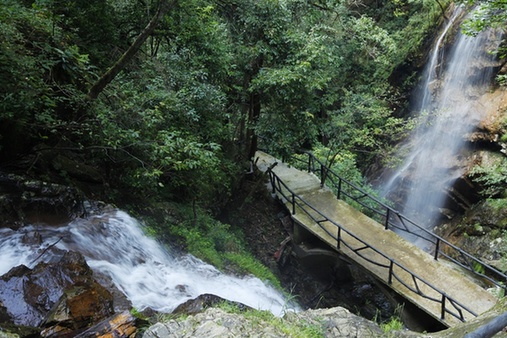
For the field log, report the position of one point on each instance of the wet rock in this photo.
(120, 301)
(64, 294)
(77, 308)
(204, 301)
(123, 324)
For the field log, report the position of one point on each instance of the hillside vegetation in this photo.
(197, 86)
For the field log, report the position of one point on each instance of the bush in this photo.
(491, 177)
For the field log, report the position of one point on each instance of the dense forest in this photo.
(200, 85)
(169, 100)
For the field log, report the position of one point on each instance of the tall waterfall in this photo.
(446, 104)
(114, 244)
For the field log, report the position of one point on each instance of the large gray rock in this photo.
(333, 322)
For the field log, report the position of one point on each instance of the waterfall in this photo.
(447, 110)
(114, 244)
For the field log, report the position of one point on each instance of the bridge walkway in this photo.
(442, 290)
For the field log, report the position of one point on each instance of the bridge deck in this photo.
(452, 281)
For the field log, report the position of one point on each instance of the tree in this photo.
(488, 13)
(109, 76)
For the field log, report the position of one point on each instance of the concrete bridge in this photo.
(444, 284)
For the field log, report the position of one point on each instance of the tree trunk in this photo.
(109, 76)
(254, 110)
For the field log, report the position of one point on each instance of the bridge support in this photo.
(301, 234)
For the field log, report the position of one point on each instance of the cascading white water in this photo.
(113, 243)
(446, 102)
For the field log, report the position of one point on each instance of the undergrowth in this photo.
(212, 241)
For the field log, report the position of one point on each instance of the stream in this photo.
(114, 244)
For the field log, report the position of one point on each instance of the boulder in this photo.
(61, 296)
(77, 308)
(333, 322)
(204, 301)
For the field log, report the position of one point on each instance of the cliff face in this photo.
(481, 227)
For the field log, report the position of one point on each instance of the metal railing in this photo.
(393, 220)
(393, 269)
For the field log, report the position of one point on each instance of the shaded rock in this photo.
(120, 301)
(31, 201)
(76, 168)
(204, 301)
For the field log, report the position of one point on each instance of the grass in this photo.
(392, 325)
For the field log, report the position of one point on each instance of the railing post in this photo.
(293, 203)
(442, 314)
(339, 238)
(437, 249)
(338, 195)
(390, 278)
(310, 163)
(386, 226)
(272, 180)
(322, 175)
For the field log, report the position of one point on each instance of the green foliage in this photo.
(394, 324)
(391, 325)
(501, 79)
(365, 125)
(137, 314)
(74, 18)
(165, 128)
(487, 14)
(207, 239)
(497, 204)
(491, 177)
(478, 267)
(42, 74)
